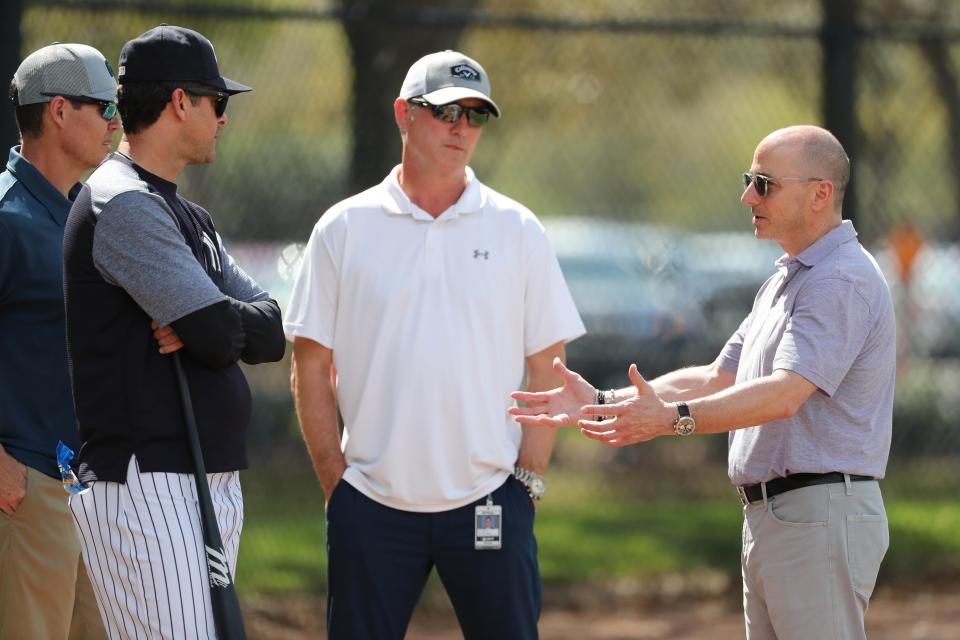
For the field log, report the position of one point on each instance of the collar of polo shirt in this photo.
(396, 202)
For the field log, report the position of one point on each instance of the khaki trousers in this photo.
(810, 561)
(44, 589)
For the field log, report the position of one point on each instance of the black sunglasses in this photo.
(761, 181)
(109, 108)
(452, 112)
(219, 106)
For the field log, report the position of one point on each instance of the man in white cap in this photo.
(417, 306)
(65, 107)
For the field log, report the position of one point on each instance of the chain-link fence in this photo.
(626, 126)
(637, 115)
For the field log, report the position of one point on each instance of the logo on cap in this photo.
(466, 72)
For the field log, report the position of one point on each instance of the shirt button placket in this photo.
(433, 250)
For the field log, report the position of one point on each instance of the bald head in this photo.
(816, 153)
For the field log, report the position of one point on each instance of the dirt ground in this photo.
(917, 615)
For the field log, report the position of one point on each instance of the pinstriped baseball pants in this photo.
(143, 547)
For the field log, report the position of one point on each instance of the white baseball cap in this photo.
(65, 70)
(445, 77)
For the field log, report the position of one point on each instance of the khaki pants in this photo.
(44, 590)
(810, 561)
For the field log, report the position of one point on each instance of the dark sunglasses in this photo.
(452, 112)
(220, 106)
(761, 181)
(109, 108)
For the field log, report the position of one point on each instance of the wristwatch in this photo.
(603, 399)
(684, 425)
(532, 480)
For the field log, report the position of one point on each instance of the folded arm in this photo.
(139, 247)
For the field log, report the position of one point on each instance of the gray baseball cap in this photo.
(65, 70)
(445, 77)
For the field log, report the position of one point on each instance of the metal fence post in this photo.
(10, 41)
(838, 42)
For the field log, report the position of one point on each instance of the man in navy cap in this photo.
(146, 274)
(64, 97)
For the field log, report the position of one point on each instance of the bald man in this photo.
(804, 388)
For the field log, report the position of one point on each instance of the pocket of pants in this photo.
(798, 509)
(335, 496)
(27, 500)
(523, 496)
(868, 538)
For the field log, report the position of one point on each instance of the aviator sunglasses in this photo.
(220, 106)
(109, 108)
(452, 112)
(760, 181)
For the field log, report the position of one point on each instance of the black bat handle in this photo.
(223, 593)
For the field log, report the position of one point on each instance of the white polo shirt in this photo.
(429, 321)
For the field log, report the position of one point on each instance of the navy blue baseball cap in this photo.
(173, 54)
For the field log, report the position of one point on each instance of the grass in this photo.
(590, 528)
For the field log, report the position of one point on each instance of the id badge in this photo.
(487, 526)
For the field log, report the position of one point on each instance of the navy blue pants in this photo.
(380, 558)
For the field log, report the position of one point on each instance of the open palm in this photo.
(559, 407)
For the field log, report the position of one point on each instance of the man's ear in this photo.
(55, 111)
(401, 111)
(178, 103)
(823, 195)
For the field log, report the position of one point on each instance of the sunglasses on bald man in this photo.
(760, 181)
(476, 116)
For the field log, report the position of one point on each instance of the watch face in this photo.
(684, 426)
(537, 487)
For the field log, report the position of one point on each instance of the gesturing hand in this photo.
(557, 407)
(166, 337)
(638, 419)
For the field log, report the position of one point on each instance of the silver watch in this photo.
(684, 425)
(532, 480)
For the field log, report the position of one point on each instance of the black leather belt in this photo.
(754, 492)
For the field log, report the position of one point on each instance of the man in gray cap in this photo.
(429, 293)
(142, 266)
(64, 97)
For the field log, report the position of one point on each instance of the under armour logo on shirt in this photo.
(477, 254)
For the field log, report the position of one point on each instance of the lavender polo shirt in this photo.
(826, 315)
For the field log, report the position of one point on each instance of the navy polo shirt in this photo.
(36, 405)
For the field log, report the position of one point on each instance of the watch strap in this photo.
(684, 424)
(602, 399)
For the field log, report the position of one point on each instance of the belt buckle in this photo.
(743, 495)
